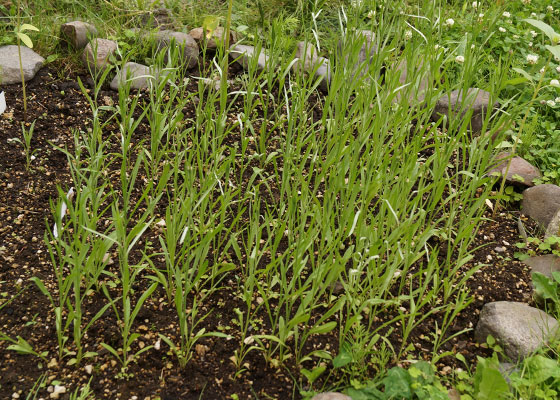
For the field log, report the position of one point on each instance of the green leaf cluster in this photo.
(417, 382)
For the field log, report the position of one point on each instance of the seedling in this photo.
(23, 37)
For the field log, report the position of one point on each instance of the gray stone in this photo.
(97, 53)
(218, 35)
(369, 48)
(243, 55)
(324, 72)
(455, 104)
(546, 264)
(309, 61)
(140, 76)
(417, 78)
(307, 56)
(77, 33)
(161, 18)
(185, 41)
(541, 203)
(331, 396)
(519, 172)
(553, 228)
(365, 56)
(519, 328)
(31, 63)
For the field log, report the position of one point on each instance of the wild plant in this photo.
(79, 252)
(26, 143)
(23, 37)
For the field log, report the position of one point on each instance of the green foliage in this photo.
(535, 245)
(417, 382)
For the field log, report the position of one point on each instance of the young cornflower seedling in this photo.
(26, 143)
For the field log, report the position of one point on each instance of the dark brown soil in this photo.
(58, 107)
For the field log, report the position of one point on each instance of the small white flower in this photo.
(558, 69)
(533, 14)
(541, 71)
(551, 103)
(532, 58)
(371, 14)
(475, 4)
(437, 47)
(408, 35)
(550, 8)
(449, 22)
(502, 29)
(460, 59)
(530, 44)
(534, 34)
(555, 83)
(472, 46)
(506, 14)
(481, 15)
(557, 100)
(526, 1)
(516, 36)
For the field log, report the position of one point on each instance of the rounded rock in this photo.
(97, 53)
(183, 40)
(217, 35)
(10, 67)
(455, 104)
(519, 172)
(77, 33)
(519, 328)
(541, 203)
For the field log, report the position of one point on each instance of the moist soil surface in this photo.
(59, 108)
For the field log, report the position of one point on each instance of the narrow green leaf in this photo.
(41, 287)
(25, 39)
(111, 350)
(524, 73)
(329, 326)
(28, 27)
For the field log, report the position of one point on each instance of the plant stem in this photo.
(21, 67)
(226, 45)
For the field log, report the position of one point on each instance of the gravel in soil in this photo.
(59, 108)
